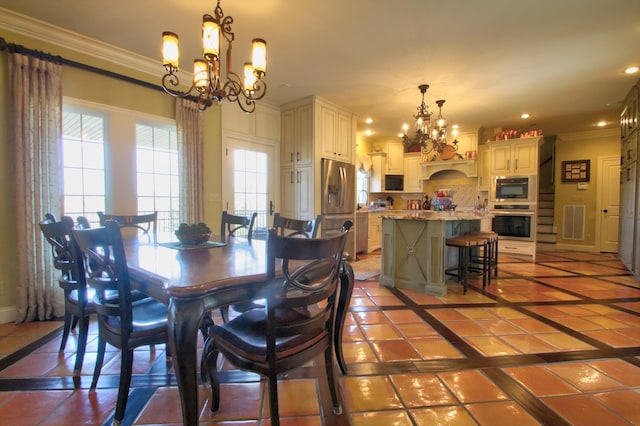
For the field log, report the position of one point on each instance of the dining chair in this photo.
(82, 222)
(296, 324)
(291, 227)
(78, 304)
(121, 322)
(147, 223)
(230, 224)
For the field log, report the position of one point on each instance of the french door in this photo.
(248, 179)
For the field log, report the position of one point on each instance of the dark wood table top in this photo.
(195, 273)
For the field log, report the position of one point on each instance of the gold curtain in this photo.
(190, 125)
(36, 108)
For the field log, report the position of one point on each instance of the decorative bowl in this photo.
(193, 239)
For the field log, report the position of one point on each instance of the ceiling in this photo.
(562, 61)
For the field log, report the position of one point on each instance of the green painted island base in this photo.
(414, 253)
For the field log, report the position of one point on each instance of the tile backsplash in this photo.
(465, 190)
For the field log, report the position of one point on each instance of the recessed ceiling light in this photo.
(368, 120)
(631, 70)
(368, 132)
(525, 115)
(601, 123)
(455, 126)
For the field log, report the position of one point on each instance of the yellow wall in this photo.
(582, 146)
(92, 87)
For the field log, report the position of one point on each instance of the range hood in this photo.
(466, 167)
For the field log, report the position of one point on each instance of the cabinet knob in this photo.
(605, 211)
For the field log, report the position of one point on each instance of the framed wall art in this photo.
(575, 171)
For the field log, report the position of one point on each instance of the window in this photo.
(157, 173)
(250, 182)
(83, 163)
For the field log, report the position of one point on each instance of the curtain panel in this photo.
(190, 125)
(36, 108)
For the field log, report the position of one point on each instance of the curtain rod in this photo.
(17, 48)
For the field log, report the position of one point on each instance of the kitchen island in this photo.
(414, 253)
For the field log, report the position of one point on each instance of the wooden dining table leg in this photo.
(184, 320)
(344, 298)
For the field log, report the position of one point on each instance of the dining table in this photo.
(194, 280)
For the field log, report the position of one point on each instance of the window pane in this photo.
(93, 182)
(83, 162)
(72, 153)
(145, 185)
(73, 181)
(157, 171)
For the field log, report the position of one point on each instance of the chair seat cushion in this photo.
(246, 335)
(149, 316)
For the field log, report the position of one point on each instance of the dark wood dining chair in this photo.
(290, 227)
(78, 304)
(121, 322)
(146, 223)
(296, 324)
(230, 224)
(82, 222)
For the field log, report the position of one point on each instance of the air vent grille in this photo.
(573, 222)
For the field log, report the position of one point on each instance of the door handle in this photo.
(270, 208)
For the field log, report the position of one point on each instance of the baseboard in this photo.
(576, 247)
(7, 314)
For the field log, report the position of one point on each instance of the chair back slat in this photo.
(290, 227)
(230, 224)
(146, 223)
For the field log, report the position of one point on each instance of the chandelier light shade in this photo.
(207, 86)
(431, 137)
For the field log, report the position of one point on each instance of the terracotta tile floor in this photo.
(556, 342)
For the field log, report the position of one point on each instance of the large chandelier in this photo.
(431, 137)
(207, 86)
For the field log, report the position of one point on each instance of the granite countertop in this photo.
(434, 215)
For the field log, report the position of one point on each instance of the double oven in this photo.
(513, 206)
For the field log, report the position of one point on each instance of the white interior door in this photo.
(248, 179)
(609, 202)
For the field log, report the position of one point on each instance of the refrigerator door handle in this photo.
(343, 186)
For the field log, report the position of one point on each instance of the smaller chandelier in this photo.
(431, 137)
(207, 86)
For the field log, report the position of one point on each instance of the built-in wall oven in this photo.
(517, 189)
(514, 221)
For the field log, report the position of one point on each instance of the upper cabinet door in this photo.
(395, 158)
(514, 157)
(337, 134)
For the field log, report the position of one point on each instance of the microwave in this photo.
(514, 188)
(394, 182)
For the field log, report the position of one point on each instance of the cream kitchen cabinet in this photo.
(297, 136)
(412, 173)
(395, 158)
(514, 157)
(484, 168)
(296, 197)
(374, 238)
(337, 133)
(308, 127)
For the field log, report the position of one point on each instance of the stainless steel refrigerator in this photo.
(338, 199)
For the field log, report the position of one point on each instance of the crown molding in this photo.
(43, 31)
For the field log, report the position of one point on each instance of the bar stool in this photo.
(465, 245)
(492, 238)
